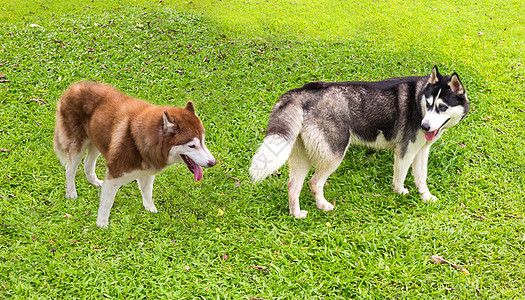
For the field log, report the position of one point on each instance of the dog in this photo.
(137, 140)
(314, 125)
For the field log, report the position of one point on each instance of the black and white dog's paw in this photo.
(428, 197)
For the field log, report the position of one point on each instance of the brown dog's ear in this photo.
(189, 106)
(455, 84)
(169, 123)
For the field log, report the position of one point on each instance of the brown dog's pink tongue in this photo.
(430, 135)
(193, 167)
(198, 172)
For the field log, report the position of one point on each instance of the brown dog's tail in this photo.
(70, 135)
(58, 144)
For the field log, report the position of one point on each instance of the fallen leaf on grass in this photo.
(260, 268)
(224, 256)
(60, 43)
(374, 195)
(38, 100)
(512, 216)
(483, 218)
(465, 271)
(237, 180)
(439, 260)
(234, 178)
(68, 215)
(220, 212)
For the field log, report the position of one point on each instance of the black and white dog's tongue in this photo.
(430, 135)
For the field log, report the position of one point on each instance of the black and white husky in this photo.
(315, 124)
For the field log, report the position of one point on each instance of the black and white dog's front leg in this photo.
(401, 165)
(419, 168)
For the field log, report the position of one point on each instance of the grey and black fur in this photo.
(313, 126)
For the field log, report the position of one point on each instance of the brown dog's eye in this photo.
(192, 146)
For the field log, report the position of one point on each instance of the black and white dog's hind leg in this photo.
(299, 166)
(318, 180)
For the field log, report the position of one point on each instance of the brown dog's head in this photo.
(184, 139)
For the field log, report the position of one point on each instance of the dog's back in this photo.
(81, 106)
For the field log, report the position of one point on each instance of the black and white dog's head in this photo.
(444, 103)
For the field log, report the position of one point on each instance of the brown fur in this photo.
(127, 131)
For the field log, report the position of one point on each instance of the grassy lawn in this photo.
(225, 237)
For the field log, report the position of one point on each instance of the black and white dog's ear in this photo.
(434, 75)
(169, 123)
(455, 84)
(189, 106)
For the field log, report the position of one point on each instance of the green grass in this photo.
(234, 59)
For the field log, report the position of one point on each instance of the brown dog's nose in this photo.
(211, 163)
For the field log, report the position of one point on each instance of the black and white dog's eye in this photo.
(443, 108)
(428, 104)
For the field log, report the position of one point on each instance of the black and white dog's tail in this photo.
(284, 127)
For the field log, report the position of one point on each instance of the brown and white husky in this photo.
(136, 138)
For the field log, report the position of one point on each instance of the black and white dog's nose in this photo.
(425, 126)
